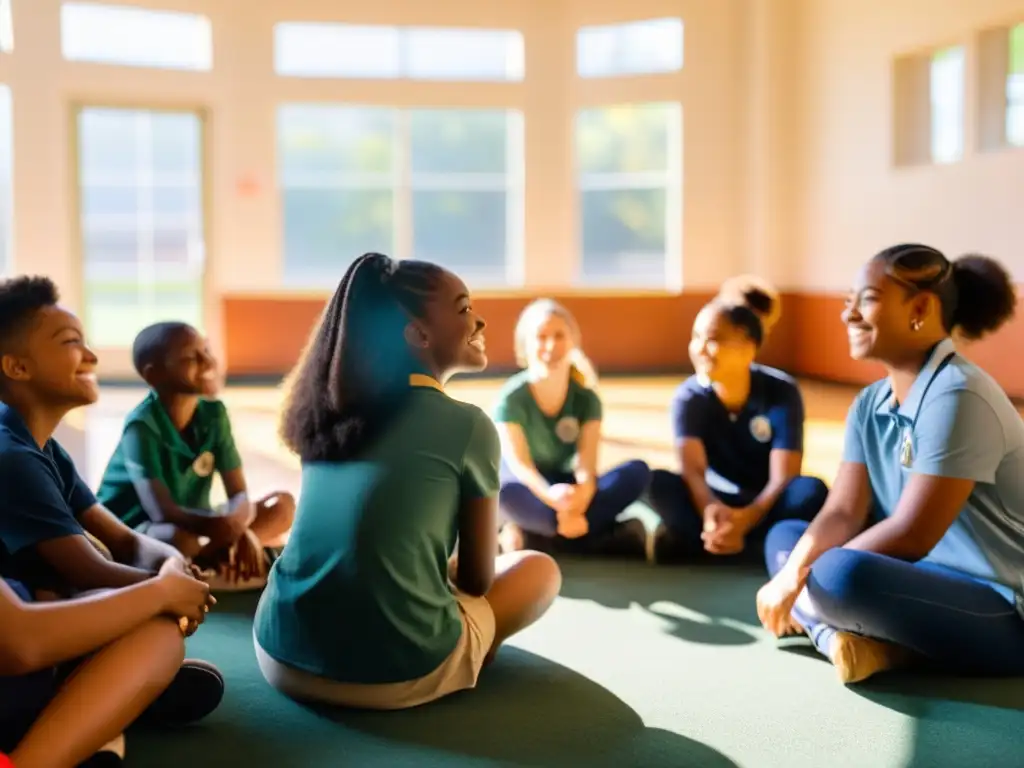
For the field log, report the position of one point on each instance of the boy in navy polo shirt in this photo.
(161, 474)
(738, 427)
(46, 510)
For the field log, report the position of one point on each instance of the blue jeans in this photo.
(943, 615)
(616, 490)
(671, 500)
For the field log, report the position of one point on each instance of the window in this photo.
(379, 52)
(6, 27)
(1015, 89)
(636, 48)
(947, 105)
(443, 185)
(630, 191)
(141, 219)
(135, 37)
(6, 179)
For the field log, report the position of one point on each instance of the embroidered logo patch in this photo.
(568, 429)
(761, 429)
(203, 465)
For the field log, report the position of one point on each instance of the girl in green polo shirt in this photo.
(549, 419)
(389, 593)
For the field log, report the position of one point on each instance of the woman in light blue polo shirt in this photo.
(936, 452)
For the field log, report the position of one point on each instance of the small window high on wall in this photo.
(653, 46)
(1015, 89)
(946, 93)
(136, 37)
(391, 53)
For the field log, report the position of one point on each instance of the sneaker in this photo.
(194, 693)
(665, 547)
(110, 755)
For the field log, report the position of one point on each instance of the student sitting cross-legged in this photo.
(46, 510)
(161, 473)
(549, 419)
(918, 555)
(739, 430)
(368, 605)
(74, 674)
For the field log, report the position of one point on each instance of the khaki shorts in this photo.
(456, 673)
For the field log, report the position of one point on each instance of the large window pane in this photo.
(459, 141)
(326, 229)
(135, 37)
(382, 52)
(6, 176)
(434, 184)
(637, 48)
(466, 231)
(629, 181)
(141, 220)
(947, 105)
(1015, 89)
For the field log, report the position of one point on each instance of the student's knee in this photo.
(665, 489)
(541, 576)
(635, 476)
(804, 497)
(278, 509)
(842, 584)
(780, 541)
(165, 646)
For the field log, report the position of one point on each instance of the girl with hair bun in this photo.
(739, 432)
(549, 419)
(918, 553)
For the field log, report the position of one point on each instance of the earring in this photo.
(915, 324)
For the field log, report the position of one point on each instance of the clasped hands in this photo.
(725, 528)
(570, 502)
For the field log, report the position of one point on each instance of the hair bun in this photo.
(755, 293)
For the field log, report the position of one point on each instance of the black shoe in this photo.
(666, 549)
(627, 539)
(102, 760)
(194, 693)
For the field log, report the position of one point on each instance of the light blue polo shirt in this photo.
(960, 424)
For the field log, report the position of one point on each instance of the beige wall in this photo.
(852, 202)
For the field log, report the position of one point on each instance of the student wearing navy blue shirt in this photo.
(46, 510)
(918, 553)
(739, 432)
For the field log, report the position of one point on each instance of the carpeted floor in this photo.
(634, 666)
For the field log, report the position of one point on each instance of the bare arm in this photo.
(926, 509)
(516, 452)
(40, 635)
(587, 447)
(783, 467)
(125, 544)
(80, 565)
(693, 465)
(478, 545)
(844, 515)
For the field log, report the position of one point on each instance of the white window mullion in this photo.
(514, 191)
(402, 201)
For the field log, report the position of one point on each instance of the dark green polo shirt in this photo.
(151, 448)
(552, 440)
(361, 592)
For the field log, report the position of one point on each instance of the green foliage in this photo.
(1017, 50)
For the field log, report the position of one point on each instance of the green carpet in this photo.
(635, 666)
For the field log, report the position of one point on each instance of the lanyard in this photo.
(907, 446)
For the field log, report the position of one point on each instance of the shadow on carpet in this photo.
(527, 711)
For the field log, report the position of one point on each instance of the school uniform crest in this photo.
(761, 429)
(568, 429)
(203, 465)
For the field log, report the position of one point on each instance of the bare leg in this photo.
(525, 586)
(274, 515)
(104, 696)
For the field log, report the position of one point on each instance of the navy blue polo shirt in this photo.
(738, 444)
(41, 499)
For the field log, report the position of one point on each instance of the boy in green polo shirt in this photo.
(161, 473)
